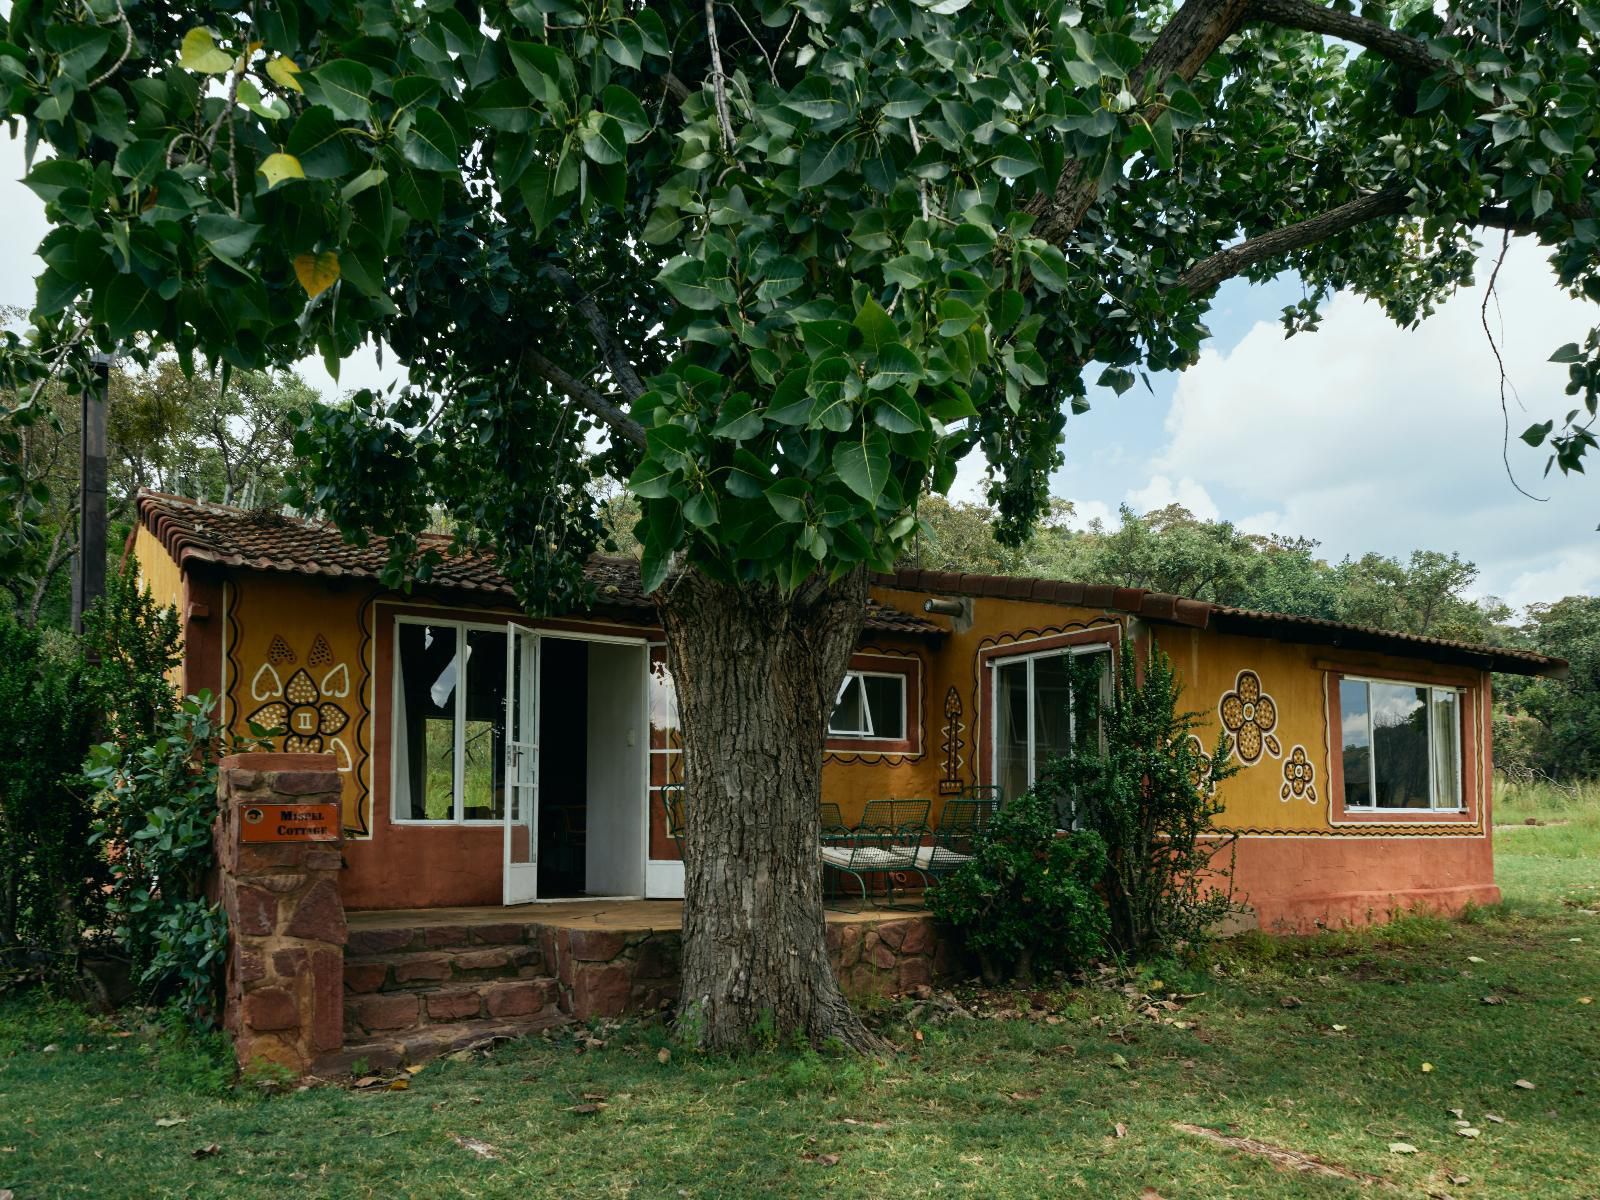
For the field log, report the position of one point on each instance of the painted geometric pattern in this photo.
(308, 713)
(1250, 716)
(1299, 777)
(952, 745)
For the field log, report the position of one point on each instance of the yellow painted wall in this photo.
(163, 577)
(294, 659)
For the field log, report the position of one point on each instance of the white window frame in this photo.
(459, 777)
(1372, 746)
(1000, 660)
(868, 734)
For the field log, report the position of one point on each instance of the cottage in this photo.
(489, 759)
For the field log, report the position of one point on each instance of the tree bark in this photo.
(756, 674)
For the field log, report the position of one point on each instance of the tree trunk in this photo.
(756, 674)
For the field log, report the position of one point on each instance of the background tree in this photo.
(1553, 725)
(796, 259)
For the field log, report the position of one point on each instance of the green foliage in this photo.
(134, 645)
(1027, 902)
(156, 812)
(816, 253)
(1552, 726)
(1148, 789)
(48, 872)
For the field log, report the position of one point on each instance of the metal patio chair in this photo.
(990, 792)
(833, 827)
(883, 844)
(954, 838)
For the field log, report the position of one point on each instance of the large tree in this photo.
(793, 259)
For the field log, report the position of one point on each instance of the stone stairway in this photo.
(414, 992)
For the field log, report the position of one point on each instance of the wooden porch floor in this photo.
(631, 915)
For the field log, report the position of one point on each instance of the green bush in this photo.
(49, 875)
(1148, 789)
(1026, 902)
(157, 807)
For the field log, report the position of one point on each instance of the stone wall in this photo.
(284, 992)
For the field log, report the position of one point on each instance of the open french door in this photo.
(521, 850)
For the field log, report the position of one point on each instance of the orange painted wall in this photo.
(321, 650)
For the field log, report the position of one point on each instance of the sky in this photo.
(1361, 436)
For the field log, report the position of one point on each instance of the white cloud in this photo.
(1161, 491)
(1368, 437)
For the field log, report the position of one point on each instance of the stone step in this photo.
(368, 940)
(402, 1048)
(415, 970)
(390, 1014)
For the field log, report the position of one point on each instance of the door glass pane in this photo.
(1052, 709)
(1011, 728)
(425, 724)
(483, 745)
(1400, 745)
(1091, 683)
(1356, 736)
(886, 701)
(1446, 756)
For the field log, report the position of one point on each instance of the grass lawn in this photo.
(1315, 1045)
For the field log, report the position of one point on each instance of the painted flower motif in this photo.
(1299, 776)
(303, 715)
(1250, 715)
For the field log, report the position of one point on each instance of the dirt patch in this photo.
(1289, 1160)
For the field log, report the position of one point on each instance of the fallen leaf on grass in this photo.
(1469, 1132)
(596, 1096)
(1495, 1119)
(1457, 1113)
(1473, 958)
(822, 1160)
(367, 1081)
(1120, 1130)
(416, 1068)
(481, 1149)
(1290, 1002)
(1585, 999)
(1461, 1180)
(1150, 1193)
(211, 1150)
(586, 1110)
(1118, 1061)
(1523, 1084)
(1402, 1148)
(663, 1056)
(169, 1122)
(7, 1194)
(1033, 1094)
(1427, 1068)
(864, 1124)
(1338, 1028)
(399, 1085)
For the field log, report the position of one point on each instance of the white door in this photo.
(520, 858)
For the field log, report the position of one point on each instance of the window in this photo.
(449, 722)
(1035, 717)
(870, 705)
(1400, 745)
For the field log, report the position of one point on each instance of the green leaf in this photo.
(430, 143)
(603, 139)
(701, 510)
(820, 161)
(367, 179)
(1535, 435)
(684, 278)
(503, 105)
(788, 499)
(1570, 353)
(320, 144)
(791, 403)
(227, 236)
(625, 46)
(897, 367)
(864, 465)
(897, 412)
(739, 420)
(650, 480)
(346, 86)
(199, 52)
(824, 337)
(629, 113)
(140, 162)
(748, 476)
(877, 327)
(1014, 158)
(128, 306)
(53, 176)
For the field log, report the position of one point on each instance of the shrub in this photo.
(48, 872)
(157, 807)
(1148, 789)
(1026, 901)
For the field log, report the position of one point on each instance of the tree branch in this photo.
(609, 412)
(1225, 264)
(611, 348)
(1397, 47)
(1182, 48)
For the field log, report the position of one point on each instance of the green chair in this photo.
(672, 810)
(985, 791)
(833, 827)
(883, 844)
(954, 840)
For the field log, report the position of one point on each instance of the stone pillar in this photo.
(284, 996)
